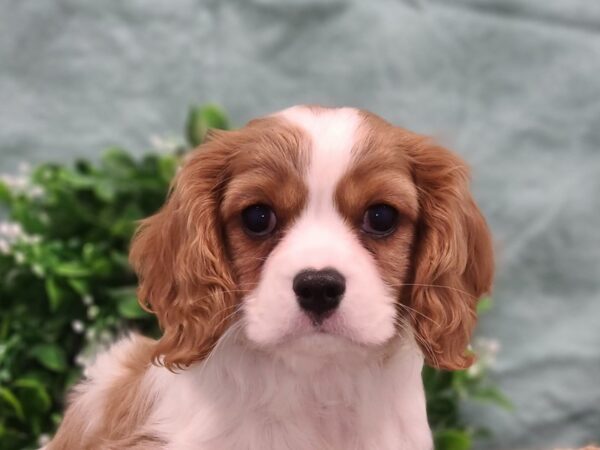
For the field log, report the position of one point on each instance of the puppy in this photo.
(302, 270)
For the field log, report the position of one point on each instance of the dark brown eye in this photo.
(259, 220)
(380, 220)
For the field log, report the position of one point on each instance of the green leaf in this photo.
(13, 401)
(106, 190)
(101, 267)
(484, 305)
(120, 260)
(75, 180)
(491, 394)
(56, 419)
(39, 396)
(71, 269)
(80, 286)
(118, 162)
(452, 440)
(202, 119)
(50, 356)
(5, 194)
(127, 303)
(167, 167)
(56, 294)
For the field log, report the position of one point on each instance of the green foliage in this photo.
(447, 392)
(200, 120)
(66, 286)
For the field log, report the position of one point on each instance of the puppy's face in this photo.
(316, 226)
(321, 234)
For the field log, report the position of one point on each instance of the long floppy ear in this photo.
(453, 257)
(180, 259)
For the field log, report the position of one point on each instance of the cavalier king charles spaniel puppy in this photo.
(303, 269)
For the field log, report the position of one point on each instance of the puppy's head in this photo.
(322, 226)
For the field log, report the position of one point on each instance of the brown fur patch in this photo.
(380, 172)
(269, 172)
(123, 413)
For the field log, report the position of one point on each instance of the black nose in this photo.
(319, 291)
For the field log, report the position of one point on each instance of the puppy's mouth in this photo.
(330, 323)
(318, 320)
(315, 343)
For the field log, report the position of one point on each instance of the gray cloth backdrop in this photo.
(514, 86)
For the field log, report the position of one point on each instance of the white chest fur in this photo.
(246, 399)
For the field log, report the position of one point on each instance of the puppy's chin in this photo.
(316, 350)
(307, 347)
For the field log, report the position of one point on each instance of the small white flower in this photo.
(35, 192)
(82, 361)
(32, 239)
(43, 439)
(487, 346)
(487, 349)
(21, 184)
(14, 183)
(87, 300)
(475, 370)
(16, 232)
(164, 144)
(12, 232)
(90, 334)
(494, 346)
(93, 312)
(105, 337)
(78, 326)
(4, 247)
(19, 257)
(38, 270)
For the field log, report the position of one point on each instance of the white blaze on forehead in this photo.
(332, 133)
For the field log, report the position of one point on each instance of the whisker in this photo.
(408, 308)
(434, 285)
(228, 334)
(228, 316)
(227, 291)
(251, 258)
(405, 327)
(402, 324)
(428, 348)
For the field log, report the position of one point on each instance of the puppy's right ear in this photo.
(454, 261)
(179, 256)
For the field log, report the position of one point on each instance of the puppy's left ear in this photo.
(179, 256)
(453, 262)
